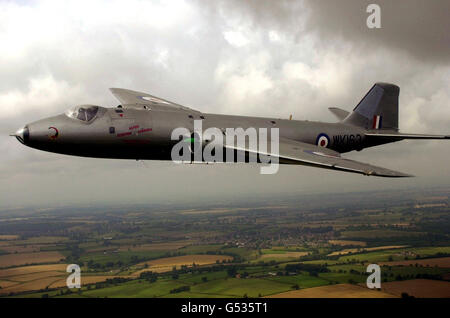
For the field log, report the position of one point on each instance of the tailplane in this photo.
(378, 109)
(341, 114)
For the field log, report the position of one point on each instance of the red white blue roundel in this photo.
(322, 140)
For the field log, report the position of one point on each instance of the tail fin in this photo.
(378, 109)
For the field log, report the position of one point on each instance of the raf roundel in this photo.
(53, 133)
(322, 140)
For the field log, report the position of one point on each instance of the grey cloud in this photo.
(296, 58)
(417, 28)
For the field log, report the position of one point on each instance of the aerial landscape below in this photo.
(295, 246)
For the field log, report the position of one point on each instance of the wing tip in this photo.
(391, 175)
(404, 175)
(387, 174)
(116, 89)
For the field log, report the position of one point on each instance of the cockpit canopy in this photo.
(84, 113)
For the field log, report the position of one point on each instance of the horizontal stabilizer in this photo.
(339, 113)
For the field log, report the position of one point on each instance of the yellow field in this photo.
(368, 249)
(345, 243)
(429, 205)
(167, 264)
(334, 291)
(6, 283)
(8, 237)
(24, 270)
(32, 285)
(20, 279)
(31, 278)
(30, 258)
(286, 255)
(420, 288)
(439, 262)
(84, 280)
(34, 276)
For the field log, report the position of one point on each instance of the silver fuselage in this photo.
(135, 133)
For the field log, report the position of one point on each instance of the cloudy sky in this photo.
(259, 58)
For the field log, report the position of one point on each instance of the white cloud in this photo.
(235, 38)
(243, 80)
(329, 73)
(43, 95)
(274, 36)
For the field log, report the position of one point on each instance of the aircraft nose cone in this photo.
(23, 135)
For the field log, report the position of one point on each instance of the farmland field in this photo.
(30, 285)
(12, 249)
(346, 243)
(422, 288)
(35, 276)
(84, 280)
(335, 291)
(235, 287)
(378, 234)
(6, 283)
(432, 262)
(156, 246)
(30, 258)
(365, 249)
(286, 256)
(24, 270)
(8, 237)
(166, 264)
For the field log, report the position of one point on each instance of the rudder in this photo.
(378, 109)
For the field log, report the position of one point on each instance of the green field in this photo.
(395, 254)
(124, 257)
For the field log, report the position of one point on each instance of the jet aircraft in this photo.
(140, 128)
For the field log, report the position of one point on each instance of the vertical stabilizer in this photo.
(378, 109)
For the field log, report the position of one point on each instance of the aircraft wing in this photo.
(129, 98)
(401, 136)
(299, 153)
